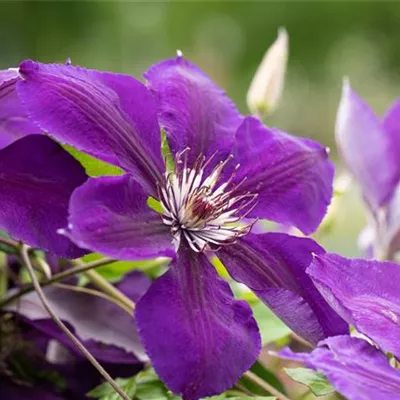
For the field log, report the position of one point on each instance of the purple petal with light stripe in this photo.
(292, 176)
(110, 215)
(111, 116)
(273, 265)
(193, 110)
(199, 338)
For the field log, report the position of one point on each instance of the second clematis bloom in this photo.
(229, 171)
(365, 293)
(370, 146)
(355, 368)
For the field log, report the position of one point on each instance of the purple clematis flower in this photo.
(365, 293)
(356, 369)
(229, 169)
(14, 122)
(366, 141)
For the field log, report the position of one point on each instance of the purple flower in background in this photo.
(104, 328)
(365, 293)
(229, 170)
(370, 146)
(356, 369)
(14, 123)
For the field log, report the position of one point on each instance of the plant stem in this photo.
(25, 257)
(265, 385)
(243, 389)
(93, 292)
(3, 274)
(108, 288)
(9, 242)
(237, 393)
(57, 278)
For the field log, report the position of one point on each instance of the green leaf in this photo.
(166, 152)
(92, 165)
(155, 205)
(150, 387)
(271, 327)
(315, 380)
(116, 270)
(106, 392)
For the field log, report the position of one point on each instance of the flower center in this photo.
(205, 213)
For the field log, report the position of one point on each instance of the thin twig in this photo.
(238, 393)
(9, 242)
(110, 289)
(69, 273)
(94, 292)
(25, 257)
(243, 389)
(42, 266)
(300, 340)
(265, 385)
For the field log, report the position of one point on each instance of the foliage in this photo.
(316, 381)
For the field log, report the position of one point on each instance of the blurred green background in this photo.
(328, 40)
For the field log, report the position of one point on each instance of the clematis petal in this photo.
(365, 141)
(14, 122)
(193, 110)
(110, 215)
(273, 265)
(110, 116)
(391, 124)
(391, 236)
(199, 339)
(365, 293)
(292, 176)
(356, 369)
(37, 178)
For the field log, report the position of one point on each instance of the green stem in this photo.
(3, 275)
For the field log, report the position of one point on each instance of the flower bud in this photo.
(267, 85)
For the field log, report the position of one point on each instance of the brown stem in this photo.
(25, 257)
(265, 385)
(57, 278)
(94, 292)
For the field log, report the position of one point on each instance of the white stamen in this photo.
(206, 215)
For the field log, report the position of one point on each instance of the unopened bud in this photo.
(267, 85)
